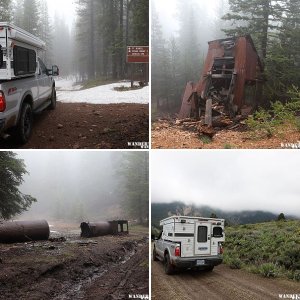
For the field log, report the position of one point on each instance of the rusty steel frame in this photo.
(93, 229)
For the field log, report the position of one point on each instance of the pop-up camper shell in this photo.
(197, 236)
(18, 52)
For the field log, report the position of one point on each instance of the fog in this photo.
(168, 11)
(79, 185)
(66, 9)
(231, 181)
(86, 39)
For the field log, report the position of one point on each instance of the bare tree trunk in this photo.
(91, 72)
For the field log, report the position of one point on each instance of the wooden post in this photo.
(208, 113)
(131, 71)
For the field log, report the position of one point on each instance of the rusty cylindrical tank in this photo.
(95, 229)
(24, 231)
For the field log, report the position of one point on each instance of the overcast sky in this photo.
(229, 180)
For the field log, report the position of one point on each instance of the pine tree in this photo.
(12, 200)
(160, 63)
(18, 12)
(5, 10)
(31, 17)
(45, 32)
(135, 171)
(257, 18)
(281, 217)
(189, 40)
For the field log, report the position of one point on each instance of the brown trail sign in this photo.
(138, 55)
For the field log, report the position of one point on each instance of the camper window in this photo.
(24, 61)
(202, 234)
(217, 232)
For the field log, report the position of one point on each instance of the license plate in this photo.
(200, 262)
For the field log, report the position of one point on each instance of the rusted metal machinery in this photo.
(230, 82)
(23, 231)
(103, 228)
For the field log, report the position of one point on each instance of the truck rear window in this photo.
(24, 61)
(202, 234)
(217, 232)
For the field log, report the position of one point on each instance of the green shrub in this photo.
(268, 270)
(296, 275)
(235, 263)
(264, 123)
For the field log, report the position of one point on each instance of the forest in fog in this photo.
(179, 43)
(85, 186)
(95, 45)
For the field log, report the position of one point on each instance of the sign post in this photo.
(138, 55)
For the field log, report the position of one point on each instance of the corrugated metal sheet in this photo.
(247, 68)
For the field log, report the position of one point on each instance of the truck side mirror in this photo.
(55, 70)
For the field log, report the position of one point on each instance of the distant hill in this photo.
(163, 210)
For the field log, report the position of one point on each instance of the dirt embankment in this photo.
(91, 126)
(169, 134)
(108, 267)
(222, 283)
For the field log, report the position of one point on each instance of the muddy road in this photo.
(91, 126)
(222, 283)
(69, 267)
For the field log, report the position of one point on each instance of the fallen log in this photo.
(24, 231)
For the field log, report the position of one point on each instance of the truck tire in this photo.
(169, 269)
(154, 255)
(24, 127)
(53, 99)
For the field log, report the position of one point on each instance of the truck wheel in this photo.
(53, 99)
(154, 255)
(24, 127)
(169, 269)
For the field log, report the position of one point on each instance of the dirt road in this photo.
(92, 126)
(70, 267)
(222, 283)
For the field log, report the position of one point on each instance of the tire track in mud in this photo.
(221, 283)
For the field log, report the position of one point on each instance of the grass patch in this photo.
(271, 249)
(97, 82)
(205, 139)
(123, 88)
(228, 146)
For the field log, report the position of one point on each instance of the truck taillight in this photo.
(2, 102)
(221, 250)
(177, 251)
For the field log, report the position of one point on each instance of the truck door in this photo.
(44, 82)
(202, 238)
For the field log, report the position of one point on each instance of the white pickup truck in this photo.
(26, 85)
(190, 243)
